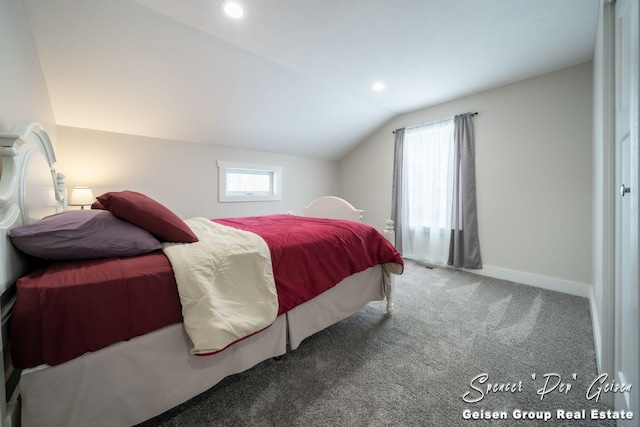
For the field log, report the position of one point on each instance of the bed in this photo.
(152, 361)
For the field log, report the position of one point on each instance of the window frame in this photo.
(274, 172)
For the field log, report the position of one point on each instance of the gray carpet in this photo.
(413, 368)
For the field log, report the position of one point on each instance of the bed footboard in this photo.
(390, 235)
(338, 208)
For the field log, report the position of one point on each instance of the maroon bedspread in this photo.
(66, 309)
(310, 255)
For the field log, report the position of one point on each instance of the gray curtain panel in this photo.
(464, 248)
(396, 191)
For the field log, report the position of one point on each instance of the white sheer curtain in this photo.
(426, 197)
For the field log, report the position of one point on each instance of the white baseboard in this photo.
(551, 283)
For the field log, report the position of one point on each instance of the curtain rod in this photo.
(435, 121)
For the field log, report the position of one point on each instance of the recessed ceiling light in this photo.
(233, 10)
(377, 86)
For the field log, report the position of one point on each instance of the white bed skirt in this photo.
(133, 381)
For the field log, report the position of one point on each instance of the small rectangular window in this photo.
(245, 182)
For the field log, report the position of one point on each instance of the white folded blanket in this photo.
(225, 282)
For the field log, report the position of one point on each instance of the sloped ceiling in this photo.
(292, 76)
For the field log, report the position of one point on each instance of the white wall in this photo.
(534, 176)
(23, 93)
(534, 162)
(184, 176)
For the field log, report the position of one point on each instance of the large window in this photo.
(243, 182)
(428, 182)
(434, 193)
(428, 160)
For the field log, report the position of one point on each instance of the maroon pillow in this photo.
(98, 205)
(148, 214)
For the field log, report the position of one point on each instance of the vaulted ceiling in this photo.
(291, 76)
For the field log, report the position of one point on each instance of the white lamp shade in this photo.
(81, 196)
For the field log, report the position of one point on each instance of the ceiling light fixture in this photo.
(232, 9)
(377, 86)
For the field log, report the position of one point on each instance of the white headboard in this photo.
(30, 188)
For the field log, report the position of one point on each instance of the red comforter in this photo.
(66, 309)
(310, 255)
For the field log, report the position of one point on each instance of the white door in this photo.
(627, 335)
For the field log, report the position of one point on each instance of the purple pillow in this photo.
(82, 234)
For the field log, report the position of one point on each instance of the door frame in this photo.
(621, 401)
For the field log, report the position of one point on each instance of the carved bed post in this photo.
(28, 167)
(390, 234)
